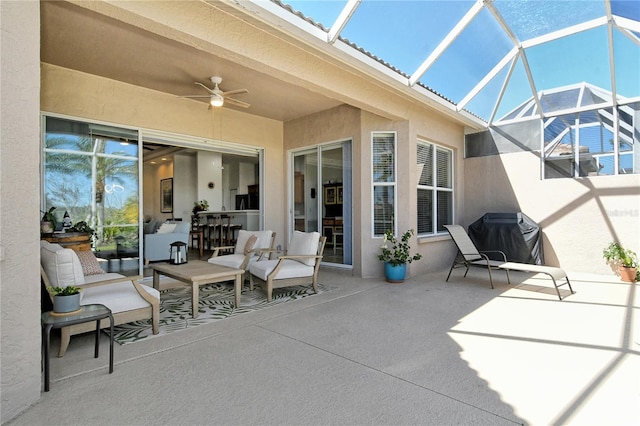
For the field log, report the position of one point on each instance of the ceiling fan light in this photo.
(217, 100)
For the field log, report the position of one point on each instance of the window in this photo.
(384, 182)
(584, 144)
(91, 172)
(435, 188)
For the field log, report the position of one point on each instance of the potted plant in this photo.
(83, 227)
(624, 260)
(48, 222)
(397, 256)
(200, 206)
(65, 299)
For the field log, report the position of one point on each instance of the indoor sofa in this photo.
(156, 245)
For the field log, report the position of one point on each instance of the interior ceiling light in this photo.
(216, 100)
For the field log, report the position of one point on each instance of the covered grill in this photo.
(515, 234)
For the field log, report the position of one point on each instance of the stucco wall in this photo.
(19, 206)
(579, 217)
(439, 251)
(348, 122)
(87, 96)
(336, 124)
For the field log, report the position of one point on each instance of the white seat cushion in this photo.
(119, 297)
(304, 243)
(103, 277)
(230, 260)
(290, 269)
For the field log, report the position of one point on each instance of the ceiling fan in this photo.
(217, 97)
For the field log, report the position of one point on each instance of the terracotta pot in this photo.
(627, 274)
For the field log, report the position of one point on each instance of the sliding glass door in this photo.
(321, 197)
(110, 177)
(91, 175)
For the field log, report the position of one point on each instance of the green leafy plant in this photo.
(200, 206)
(49, 216)
(400, 250)
(69, 290)
(616, 254)
(82, 226)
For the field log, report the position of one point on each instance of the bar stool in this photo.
(224, 228)
(213, 230)
(233, 233)
(197, 233)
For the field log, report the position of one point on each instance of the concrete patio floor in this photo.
(424, 352)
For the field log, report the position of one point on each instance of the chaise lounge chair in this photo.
(468, 255)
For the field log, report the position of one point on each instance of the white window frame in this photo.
(392, 183)
(434, 188)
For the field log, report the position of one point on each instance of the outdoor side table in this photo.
(86, 313)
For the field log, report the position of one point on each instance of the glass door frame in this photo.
(317, 195)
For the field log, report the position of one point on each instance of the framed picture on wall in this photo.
(166, 195)
(330, 195)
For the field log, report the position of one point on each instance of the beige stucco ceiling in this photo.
(80, 39)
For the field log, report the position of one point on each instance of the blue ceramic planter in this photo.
(395, 274)
(64, 304)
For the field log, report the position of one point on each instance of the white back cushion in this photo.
(243, 237)
(304, 243)
(62, 266)
(264, 240)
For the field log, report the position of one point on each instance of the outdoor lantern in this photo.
(178, 253)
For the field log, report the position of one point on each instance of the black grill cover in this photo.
(515, 234)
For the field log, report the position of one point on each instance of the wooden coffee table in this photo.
(197, 273)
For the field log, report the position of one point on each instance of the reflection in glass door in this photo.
(322, 197)
(91, 173)
(305, 178)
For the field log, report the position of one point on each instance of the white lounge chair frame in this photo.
(468, 255)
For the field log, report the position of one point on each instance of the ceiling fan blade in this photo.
(204, 87)
(235, 92)
(195, 96)
(237, 102)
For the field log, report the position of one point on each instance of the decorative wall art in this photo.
(166, 195)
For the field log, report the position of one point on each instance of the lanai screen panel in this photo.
(490, 57)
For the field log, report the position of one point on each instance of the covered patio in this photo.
(370, 352)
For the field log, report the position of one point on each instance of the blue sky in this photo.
(404, 33)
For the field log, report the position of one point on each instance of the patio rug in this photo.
(216, 303)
